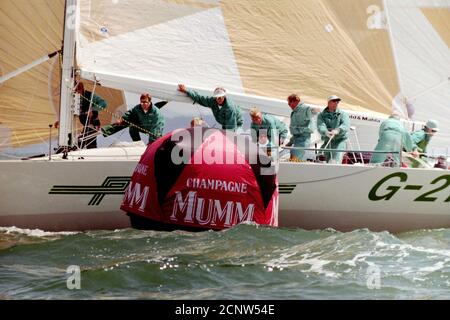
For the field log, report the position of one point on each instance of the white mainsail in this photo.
(269, 49)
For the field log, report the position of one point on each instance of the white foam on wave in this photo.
(405, 247)
(360, 257)
(316, 264)
(437, 266)
(34, 232)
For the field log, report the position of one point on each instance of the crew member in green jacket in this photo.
(224, 110)
(301, 126)
(421, 138)
(275, 130)
(144, 117)
(333, 124)
(89, 117)
(392, 138)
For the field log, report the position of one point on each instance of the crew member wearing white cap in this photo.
(224, 110)
(422, 137)
(333, 124)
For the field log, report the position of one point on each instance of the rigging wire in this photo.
(118, 116)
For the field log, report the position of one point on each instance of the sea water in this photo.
(244, 262)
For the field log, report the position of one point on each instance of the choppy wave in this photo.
(13, 236)
(33, 232)
(245, 262)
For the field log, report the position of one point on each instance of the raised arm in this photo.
(205, 101)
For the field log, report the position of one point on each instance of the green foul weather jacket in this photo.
(420, 140)
(152, 121)
(228, 115)
(327, 120)
(392, 138)
(274, 128)
(301, 124)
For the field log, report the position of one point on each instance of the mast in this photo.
(67, 75)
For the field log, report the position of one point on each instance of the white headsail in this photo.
(420, 32)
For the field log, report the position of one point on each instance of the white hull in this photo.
(338, 197)
(82, 194)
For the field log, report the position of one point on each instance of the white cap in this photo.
(219, 92)
(432, 124)
(333, 97)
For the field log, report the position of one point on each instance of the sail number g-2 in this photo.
(387, 187)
